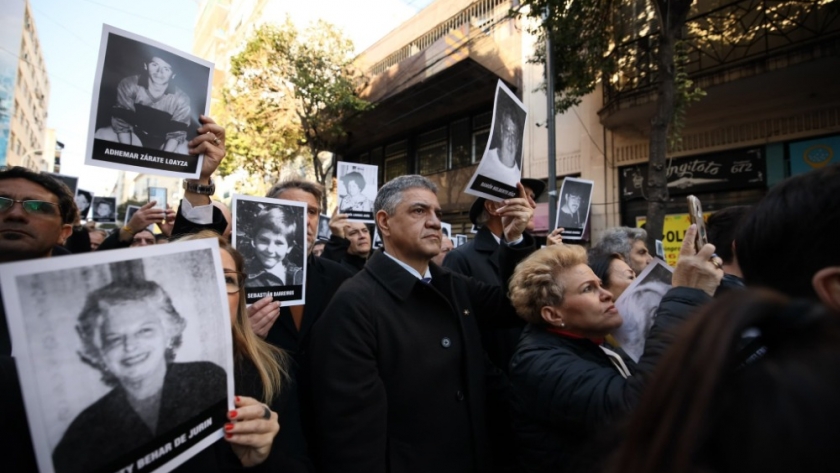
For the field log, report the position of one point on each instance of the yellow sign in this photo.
(673, 233)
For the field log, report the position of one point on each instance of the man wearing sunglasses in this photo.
(36, 214)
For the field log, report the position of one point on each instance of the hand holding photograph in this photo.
(500, 168)
(147, 100)
(137, 373)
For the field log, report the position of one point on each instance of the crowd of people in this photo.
(496, 356)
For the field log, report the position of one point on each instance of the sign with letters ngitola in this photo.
(737, 169)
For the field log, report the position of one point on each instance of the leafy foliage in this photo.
(291, 93)
(582, 33)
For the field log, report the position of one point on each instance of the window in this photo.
(460, 150)
(395, 160)
(479, 142)
(480, 135)
(432, 151)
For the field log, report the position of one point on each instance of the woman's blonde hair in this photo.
(271, 362)
(534, 283)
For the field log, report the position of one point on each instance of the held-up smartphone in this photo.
(695, 214)
(158, 194)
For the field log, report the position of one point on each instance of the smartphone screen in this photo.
(158, 194)
(695, 214)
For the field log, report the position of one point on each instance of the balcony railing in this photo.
(481, 14)
(720, 35)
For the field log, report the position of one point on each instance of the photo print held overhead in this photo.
(573, 207)
(104, 209)
(147, 98)
(500, 168)
(357, 187)
(134, 375)
(271, 235)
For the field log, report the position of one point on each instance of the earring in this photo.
(562, 324)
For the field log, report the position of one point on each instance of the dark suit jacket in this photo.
(110, 427)
(480, 259)
(336, 250)
(398, 370)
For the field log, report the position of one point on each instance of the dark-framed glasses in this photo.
(234, 281)
(32, 207)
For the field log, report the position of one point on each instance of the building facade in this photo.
(771, 108)
(25, 91)
(433, 81)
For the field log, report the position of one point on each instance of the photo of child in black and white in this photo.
(271, 235)
(357, 186)
(148, 102)
(84, 199)
(126, 355)
(104, 209)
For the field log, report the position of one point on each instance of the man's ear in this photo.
(552, 316)
(827, 286)
(383, 224)
(66, 230)
(490, 207)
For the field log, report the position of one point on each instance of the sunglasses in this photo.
(234, 281)
(32, 207)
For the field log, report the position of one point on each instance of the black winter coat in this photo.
(566, 390)
(398, 370)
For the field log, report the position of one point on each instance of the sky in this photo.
(70, 33)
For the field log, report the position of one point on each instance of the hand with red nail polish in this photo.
(251, 431)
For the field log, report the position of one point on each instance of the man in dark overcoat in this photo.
(397, 364)
(479, 259)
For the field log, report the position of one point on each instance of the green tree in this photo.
(584, 33)
(290, 95)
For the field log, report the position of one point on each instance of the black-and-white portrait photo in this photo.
(72, 182)
(446, 229)
(84, 200)
(459, 240)
(271, 235)
(637, 306)
(501, 164)
(573, 207)
(357, 186)
(158, 194)
(104, 209)
(147, 100)
(323, 228)
(124, 363)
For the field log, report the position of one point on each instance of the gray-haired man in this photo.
(397, 362)
(627, 242)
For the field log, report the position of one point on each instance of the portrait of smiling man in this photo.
(399, 385)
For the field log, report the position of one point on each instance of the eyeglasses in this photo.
(234, 281)
(32, 207)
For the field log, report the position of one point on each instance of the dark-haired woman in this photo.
(718, 405)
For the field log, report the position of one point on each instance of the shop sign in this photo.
(737, 169)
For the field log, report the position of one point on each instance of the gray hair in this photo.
(307, 186)
(390, 194)
(96, 310)
(618, 240)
